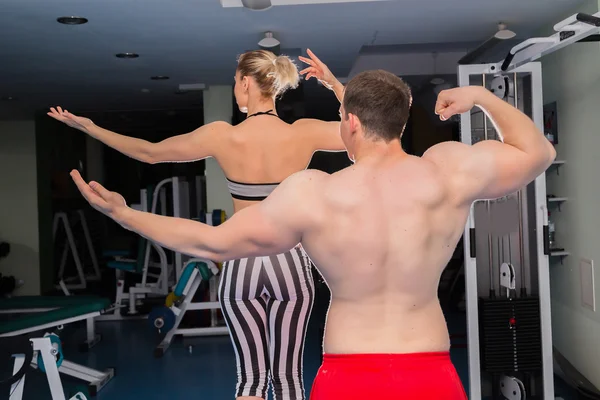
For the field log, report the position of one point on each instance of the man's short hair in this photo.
(381, 101)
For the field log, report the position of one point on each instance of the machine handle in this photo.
(472, 243)
(471, 222)
(588, 19)
(522, 46)
(507, 61)
(546, 233)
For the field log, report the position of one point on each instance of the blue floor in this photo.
(207, 371)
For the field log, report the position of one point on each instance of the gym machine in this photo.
(45, 353)
(152, 284)
(168, 318)
(506, 241)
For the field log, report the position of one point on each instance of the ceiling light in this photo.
(127, 55)
(145, 90)
(72, 20)
(257, 5)
(268, 42)
(503, 33)
(8, 98)
(437, 81)
(159, 78)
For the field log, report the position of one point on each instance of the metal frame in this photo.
(96, 379)
(181, 209)
(187, 304)
(88, 240)
(573, 29)
(471, 292)
(44, 347)
(61, 217)
(82, 278)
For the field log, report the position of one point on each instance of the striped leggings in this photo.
(267, 302)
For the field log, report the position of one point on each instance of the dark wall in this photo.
(59, 149)
(325, 106)
(126, 175)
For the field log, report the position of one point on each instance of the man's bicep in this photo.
(485, 170)
(494, 169)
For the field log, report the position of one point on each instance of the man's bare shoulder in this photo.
(304, 185)
(446, 154)
(460, 165)
(342, 188)
(308, 177)
(300, 195)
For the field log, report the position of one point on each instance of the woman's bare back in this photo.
(264, 149)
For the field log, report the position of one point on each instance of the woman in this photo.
(266, 300)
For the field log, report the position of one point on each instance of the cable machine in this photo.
(506, 241)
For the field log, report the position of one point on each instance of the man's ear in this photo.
(354, 123)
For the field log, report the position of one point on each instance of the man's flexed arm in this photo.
(270, 227)
(491, 169)
(276, 224)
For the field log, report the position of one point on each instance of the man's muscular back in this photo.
(386, 229)
(382, 231)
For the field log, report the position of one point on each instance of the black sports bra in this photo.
(250, 191)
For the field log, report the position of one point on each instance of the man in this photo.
(380, 232)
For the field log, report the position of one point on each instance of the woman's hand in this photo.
(81, 123)
(318, 70)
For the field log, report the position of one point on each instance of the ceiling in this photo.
(197, 41)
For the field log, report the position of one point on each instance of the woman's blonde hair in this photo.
(274, 74)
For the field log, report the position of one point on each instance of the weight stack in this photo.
(510, 335)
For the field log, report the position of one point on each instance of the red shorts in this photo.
(417, 376)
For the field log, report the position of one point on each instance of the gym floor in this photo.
(193, 368)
